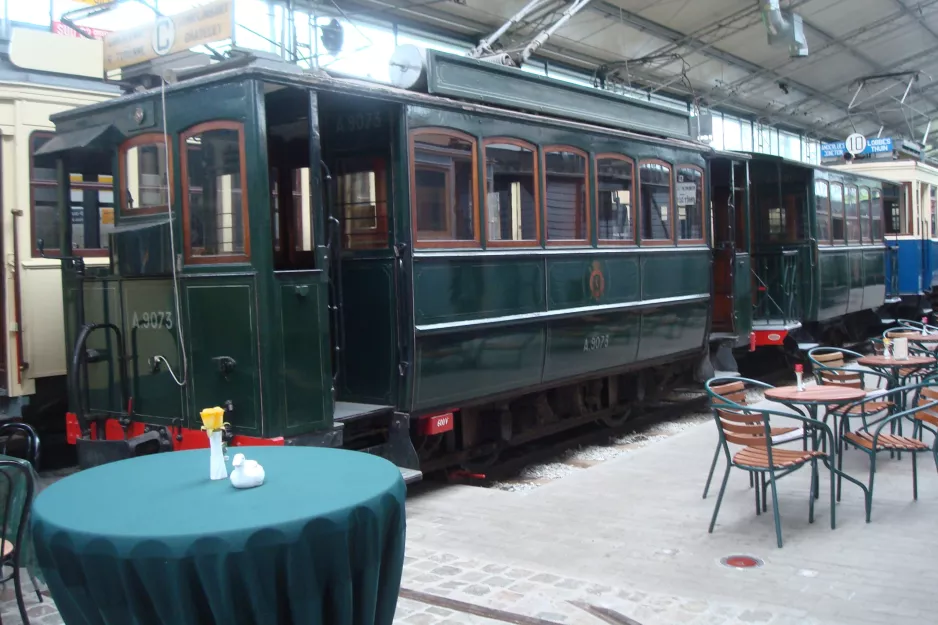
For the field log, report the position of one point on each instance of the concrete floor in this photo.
(630, 535)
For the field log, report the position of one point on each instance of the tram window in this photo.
(777, 221)
(823, 211)
(91, 202)
(865, 214)
(837, 213)
(444, 178)
(215, 204)
(301, 229)
(933, 202)
(363, 204)
(567, 195)
(690, 215)
(143, 178)
(853, 221)
(510, 193)
(877, 215)
(655, 187)
(614, 177)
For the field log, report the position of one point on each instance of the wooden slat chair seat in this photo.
(758, 457)
(873, 436)
(735, 392)
(751, 428)
(885, 442)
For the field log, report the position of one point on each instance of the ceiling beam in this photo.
(669, 34)
(863, 57)
(904, 8)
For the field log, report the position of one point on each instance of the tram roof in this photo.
(286, 75)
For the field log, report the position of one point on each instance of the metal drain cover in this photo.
(741, 562)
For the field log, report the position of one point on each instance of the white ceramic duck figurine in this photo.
(247, 473)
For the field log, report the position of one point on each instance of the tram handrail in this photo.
(783, 265)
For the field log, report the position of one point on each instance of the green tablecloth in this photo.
(153, 540)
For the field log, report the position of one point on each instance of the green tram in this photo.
(433, 274)
(806, 258)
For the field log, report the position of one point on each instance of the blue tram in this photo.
(911, 207)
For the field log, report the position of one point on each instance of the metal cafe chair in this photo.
(871, 438)
(750, 427)
(16, 495)
(735, 390)
(10, 430)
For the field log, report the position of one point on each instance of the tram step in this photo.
(349, 411)
(807, 346)
(410, 476)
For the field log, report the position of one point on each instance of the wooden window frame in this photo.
(95, 252)
(843, 205)
(859, 239)
(869, 200)
(536, 242)
(907, 205)
(411, 148)
(657, 242)
(188, 255)
(634, 214)
(148, 138)
(830, 212)
(703, 206)
(381, 184)
(588, 241)
(882, 214)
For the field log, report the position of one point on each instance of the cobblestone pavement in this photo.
(630, 534)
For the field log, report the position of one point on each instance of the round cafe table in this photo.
(153, 540)
(893, 367)
(812, 398)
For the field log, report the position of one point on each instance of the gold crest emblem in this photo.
(597, 282)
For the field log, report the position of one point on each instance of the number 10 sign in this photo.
(855, 143)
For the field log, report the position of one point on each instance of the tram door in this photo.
(357, 141)
(728, 183)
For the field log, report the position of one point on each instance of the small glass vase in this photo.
(217, 468)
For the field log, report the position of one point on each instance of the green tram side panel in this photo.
(742, 296)
(851, 280)
(592, 341)
(874, 274)
(834, 296)
(456, 364)
(305, 377)
(150, 329)
(369, 372)
(222, 322)
(672, 328)
(450, 290)
(102, 305)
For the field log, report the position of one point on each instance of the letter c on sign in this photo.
(164, 35)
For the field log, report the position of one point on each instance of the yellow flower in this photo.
(212, 418)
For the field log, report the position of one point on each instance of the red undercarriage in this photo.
(761, 338)
(191, 439)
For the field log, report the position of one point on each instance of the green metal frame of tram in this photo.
(805, 280)
(421, 330)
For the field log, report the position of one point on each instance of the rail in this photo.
(776, 292)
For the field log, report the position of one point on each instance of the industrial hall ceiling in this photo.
(835, 66)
